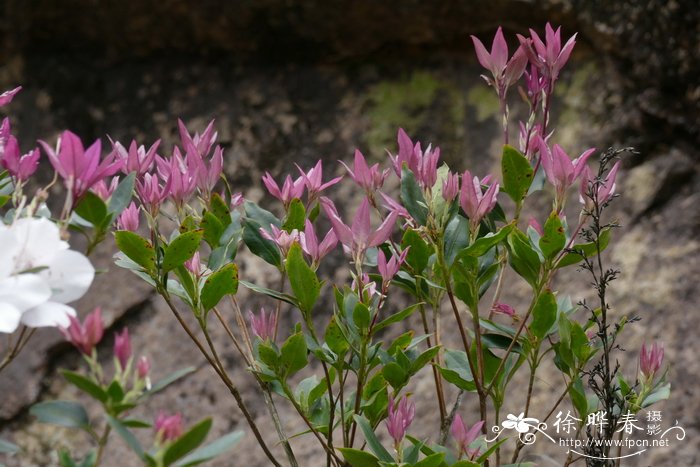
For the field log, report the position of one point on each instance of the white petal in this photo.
(69, 275)
(24, 291)
(8, 251)
(9, 318)
(40, 239)
(48, 314)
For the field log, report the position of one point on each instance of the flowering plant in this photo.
(445, 243)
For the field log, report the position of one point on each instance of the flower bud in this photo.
(122, 348)
(87, 335)
(168, 427)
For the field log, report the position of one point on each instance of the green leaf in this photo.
(433, 460)
(134, 423)
(115, 391)
(137, 249)
(544, 314)
(126, 435)
(357, 458)
(588, 249)
(412, 196)
(662, 392)
(419, 252)
(554, 238)
(395, 375)
(372, 440)
(335, 339)
(517, 173)
(86, 385)
(303, 280)
(7, 447)
(122, 195)
(361, 317)
(488, 241)
(270, 293)
(296, 216)
(456, 370)
(170, 379)
(211, 450)
(259, 245)
(524, 260)
(499, 341)
(260, 216)
(396, 317)
(92, 208)
(218, 207)
(187, 442)
(221, 283)
(63, 413)
(456, 238)
(213, 228)
(578, 397)
(182, 248)
(294, 353)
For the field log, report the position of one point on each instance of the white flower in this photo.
(39, 275)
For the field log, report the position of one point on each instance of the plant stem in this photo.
(101, 445)
(222, 375)
(436, 373)
(17, 348)
(271, 408)
(318, 436)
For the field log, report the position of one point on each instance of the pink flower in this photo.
(197, 144)
(122, 348)
(400, 416)
(450, 187)
(505, 72)
(536, 84)
(475, 203)
(360, 236)
(20, 167)
(369, 287)
(650, 360)
(168, 427)
(129, 218)
(423, 164)
(309, 243)
(194, 264)
(182, 179)
(207, 173)
(503, 309)
(464, 437)
(394, 206)
(87, 335)
(103, 190)
(368, 178)
(560, 170)
(143, 367)
(549, 56)
(80, 168)
(137, 158)
(388, 269)
(7, 96)
(151, 192)
(313, 179)
(263, 325)
(282, 238)
(290, 189)
(237, 199)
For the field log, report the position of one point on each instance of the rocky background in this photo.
(298, 81)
